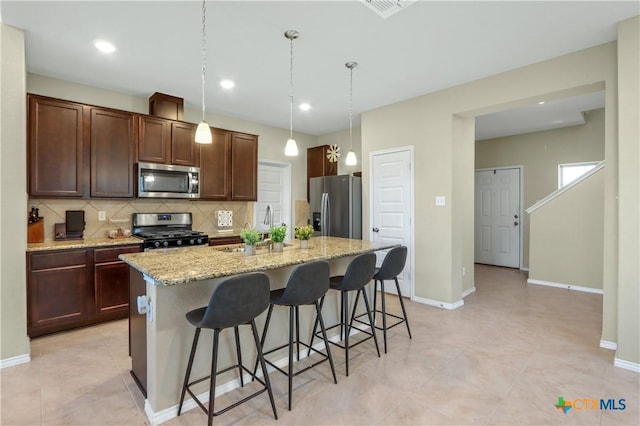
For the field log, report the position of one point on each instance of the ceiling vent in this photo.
(386, 8)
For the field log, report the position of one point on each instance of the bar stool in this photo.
(358, 274)
(391, 268)
(236, 301)
(306, 285)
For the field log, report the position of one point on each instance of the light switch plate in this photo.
(440, 201)
(102, 215)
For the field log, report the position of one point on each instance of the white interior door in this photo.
(392, 206)
(497, 217)
(274, 188)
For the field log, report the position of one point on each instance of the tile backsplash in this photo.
(205, 213)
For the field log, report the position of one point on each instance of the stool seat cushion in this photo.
(334, 282)
(276, 295)
(195, 316)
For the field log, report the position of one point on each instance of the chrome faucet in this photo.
(268, 217)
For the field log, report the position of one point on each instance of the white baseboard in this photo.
(438, 304)
(16, 360)
(524, 269)
(159, 417)
(627, 365)
(468, 292)
(605, 344)
(565, 286)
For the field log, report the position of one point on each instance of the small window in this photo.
(569, 172)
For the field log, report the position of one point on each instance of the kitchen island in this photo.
(177, 281)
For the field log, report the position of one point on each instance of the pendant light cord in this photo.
(204, 51)
(291, 91)
(351, 108)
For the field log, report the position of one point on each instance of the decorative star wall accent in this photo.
(333, 153)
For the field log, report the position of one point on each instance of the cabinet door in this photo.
(244, 167)
(154, 140)
(112, 153)
(56, 148)
(215, 167)
(56, 291)
(184, 150)
(111, 281)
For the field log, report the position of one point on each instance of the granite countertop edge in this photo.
(203, 263)
(82, 243)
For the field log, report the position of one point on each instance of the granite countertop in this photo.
(83, 243)
(179, 266)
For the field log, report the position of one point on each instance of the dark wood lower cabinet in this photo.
(73, 288)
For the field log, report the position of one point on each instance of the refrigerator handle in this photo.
(328, 216)
(323, 213)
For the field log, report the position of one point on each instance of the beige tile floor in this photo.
(503, 358)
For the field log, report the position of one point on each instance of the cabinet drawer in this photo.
(61, 259)
(111, 254)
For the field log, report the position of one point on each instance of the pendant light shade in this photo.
(291, 149)
(203, 131)
(351, 159)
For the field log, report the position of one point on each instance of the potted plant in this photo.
(278, 234)
(304, 233)
(250, 238)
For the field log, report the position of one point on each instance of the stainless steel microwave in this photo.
(168, 181)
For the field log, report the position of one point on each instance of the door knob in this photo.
(515, 216)
(375, 230)
(515, 223)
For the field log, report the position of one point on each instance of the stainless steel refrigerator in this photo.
(336, 206)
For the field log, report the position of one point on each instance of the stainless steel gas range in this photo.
(167, 230)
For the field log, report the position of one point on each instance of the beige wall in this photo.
(629, 184)
(426, 123)
(13, 198)
(567, 235)
(540, 153)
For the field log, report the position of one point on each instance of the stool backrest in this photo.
(359, 272)
(307, 283)
(237, 301)
(393, 263)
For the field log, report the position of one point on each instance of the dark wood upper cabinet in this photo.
(184, 150)
(154, 140)
(113, 141)
(244, 167)
(318, 164)
(215, 167)
(56, 148)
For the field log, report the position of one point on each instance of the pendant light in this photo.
(351, 159)
(203, 131)
(291, 149)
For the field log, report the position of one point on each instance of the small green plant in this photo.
(304, 232)
(250, 236)
(278, 233)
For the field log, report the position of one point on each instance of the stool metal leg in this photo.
(297, 333)
(214, 369)
(189, 365)
(384, 315)
(264, 337)
(315, 327)
(343, 312)
(326, 341)
(263, 365)
(292, 312)
(404, 311)
(373, 331)
(239, 354)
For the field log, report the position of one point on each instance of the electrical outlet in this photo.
(102, 215)
(440, 202)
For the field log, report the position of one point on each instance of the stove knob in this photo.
(165, 243)
(199, 240)
(179, 242)
(156, 244)
(192, 241)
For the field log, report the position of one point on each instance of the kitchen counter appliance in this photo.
(168, 181)
(167, 230)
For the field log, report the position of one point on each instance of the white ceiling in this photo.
(426, 47)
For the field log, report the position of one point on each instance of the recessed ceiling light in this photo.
(227, 84)
(104, 46)
(304, 107)
(541, 103)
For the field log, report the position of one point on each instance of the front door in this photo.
(497, 217)
(391, 207)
